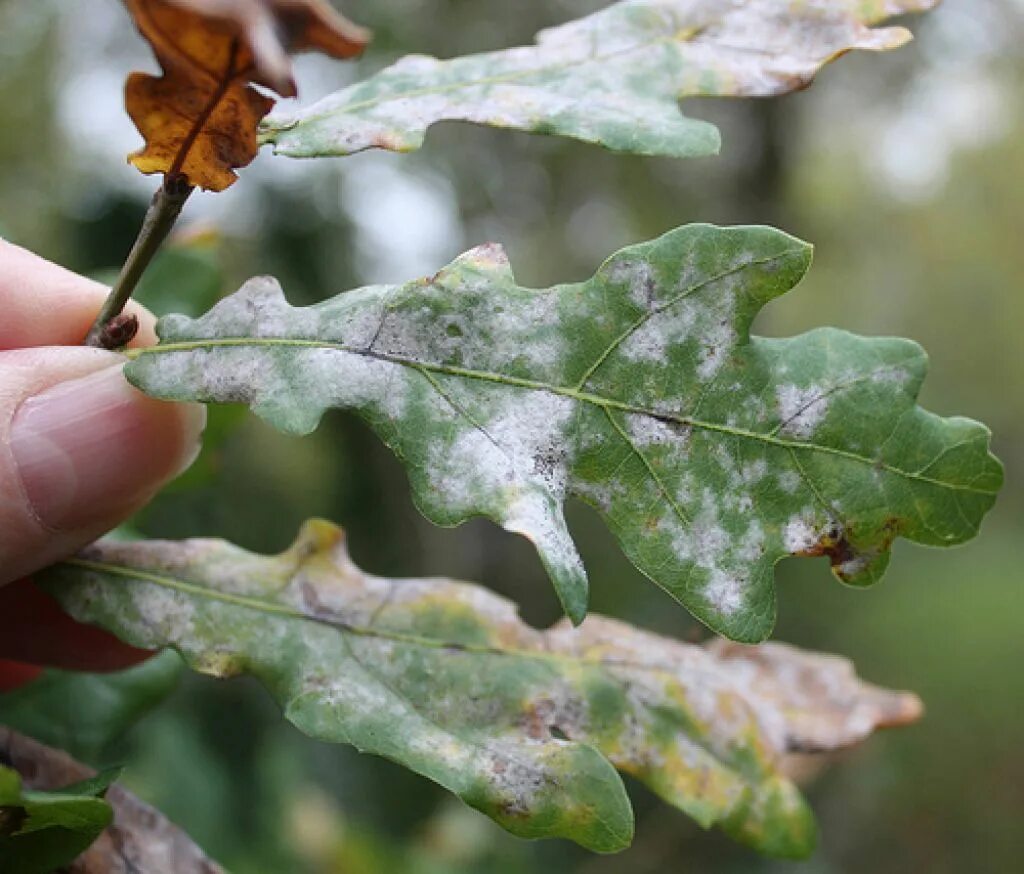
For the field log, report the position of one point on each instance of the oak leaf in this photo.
(711, 454)
(443, 677)
(614, 78)
(199, 119)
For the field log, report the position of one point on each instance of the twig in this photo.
(160, 217)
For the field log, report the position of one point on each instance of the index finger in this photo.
(42, 304)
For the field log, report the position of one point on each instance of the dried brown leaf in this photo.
(199, 118)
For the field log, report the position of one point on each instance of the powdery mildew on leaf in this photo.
(710, 454)
(613, 78)
(443, 677)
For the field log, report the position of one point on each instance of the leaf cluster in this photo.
(711, 454)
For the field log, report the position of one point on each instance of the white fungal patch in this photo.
(651, 341)
(493, 331)
(705, 543)
(539, 518)
(513, 468)
(751, 546)
(646, 431)
(346, 379)
(639, 279)
(163, 616)
(518, 779)
(897, 376)
(789, 481)
(754, 471)
(356, 321)
(724, 592)
(602, 495)
(686, 487)
(258, 307)
(715, 345)
(801, 534)
(856, 565)
(801, 410)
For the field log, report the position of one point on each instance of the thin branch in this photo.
(163, 212)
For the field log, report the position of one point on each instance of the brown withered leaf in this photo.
(140, 839)
(199, 118)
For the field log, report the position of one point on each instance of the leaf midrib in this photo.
(575, 394)
(261, 605)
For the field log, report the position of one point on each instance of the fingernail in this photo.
(94, 449)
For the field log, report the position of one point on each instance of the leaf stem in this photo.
(163, 211)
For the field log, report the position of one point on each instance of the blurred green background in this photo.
(906, 172)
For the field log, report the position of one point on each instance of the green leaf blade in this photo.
(443, 677)
(710, 454)
(84, 713)
(41, 831)
(613, 78)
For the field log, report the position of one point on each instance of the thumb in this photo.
(80, 451)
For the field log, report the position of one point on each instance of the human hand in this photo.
(80, 451)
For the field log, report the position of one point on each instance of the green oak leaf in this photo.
(710, 454)
(443, 677)
(614, 78)
(42, 831)
(84, 713)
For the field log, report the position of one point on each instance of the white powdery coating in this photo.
(897, 376)
(646, 431)
(754, 48)
(754, 471)
(706, 322)
(800, 409)
(638, 275)
(530, 330)
(716, 343)
(724, 592)
(755, 410)
(169, 614)
(856, 565)
(347, 379)
(651, 341)
(789, 481)
(327, 378)
(537, 517)
(471, 314)
(514, 468)
(359, 321)
(800, 534)
(704, 542)
(752, 543)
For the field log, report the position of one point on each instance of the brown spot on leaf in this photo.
(832, 543)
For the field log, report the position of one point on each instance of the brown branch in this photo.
(160, 218)
(163, 211)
